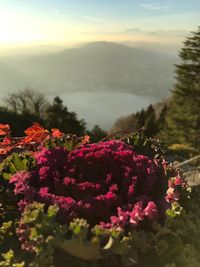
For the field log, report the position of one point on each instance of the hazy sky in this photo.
(30, 22)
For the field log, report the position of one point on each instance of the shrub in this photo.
(125, 188)
(115, 202)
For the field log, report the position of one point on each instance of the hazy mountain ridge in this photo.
(95, 66)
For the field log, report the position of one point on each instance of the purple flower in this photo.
(137, 214)
(151, 211)
(21, 180)
(106, 183)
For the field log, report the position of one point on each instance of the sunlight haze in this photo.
(65, 23)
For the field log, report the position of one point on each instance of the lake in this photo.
(104, 107)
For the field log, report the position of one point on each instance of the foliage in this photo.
(177, 242)
(181, 151)
(8, 239)
(58, 116)
(18, 121)
(27, 106)
(183, 117)
(59, 182)
(16, 162)
(146, 119)
(27, 102)
(96, 134)
(9, 261)
(89, 178)
(153, 148)
(42, 234)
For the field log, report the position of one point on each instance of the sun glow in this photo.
(56, 27)
(16, 28)
(19, 28)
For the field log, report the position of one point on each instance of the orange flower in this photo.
(36, 133)
(4, 129)
(56, 133)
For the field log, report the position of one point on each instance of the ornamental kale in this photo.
(107, 184)
(110, 203)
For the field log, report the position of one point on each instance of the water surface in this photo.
(104, 107)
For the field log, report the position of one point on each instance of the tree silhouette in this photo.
(183, 118)
(58, 116)
(27, 101)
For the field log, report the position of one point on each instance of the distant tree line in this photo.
(178, 121)
(24, 107)
(183, 118)
(147, 119)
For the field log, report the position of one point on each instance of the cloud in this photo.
(95, 19)
(153, 6)
(158, 32)
(133, 31)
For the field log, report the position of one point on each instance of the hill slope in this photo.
(95, 66)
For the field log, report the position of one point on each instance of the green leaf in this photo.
(52, 211)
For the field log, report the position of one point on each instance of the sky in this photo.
(69, 22)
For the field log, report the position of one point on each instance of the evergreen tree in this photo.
(141, 117)
(183, 118)
(58, 116)
(150, 123)
(96, 134)
(161, 121)
(19, 122)
(145, 118)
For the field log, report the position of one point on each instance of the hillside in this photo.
(92, 67)
(130, 122)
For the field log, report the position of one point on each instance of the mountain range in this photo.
(92, 67)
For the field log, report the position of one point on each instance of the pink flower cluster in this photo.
(174, 184)
(106, 183)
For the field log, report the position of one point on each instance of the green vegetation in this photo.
(28, 106)
(37, 225)
(39, 233)
(183, 117)
(176, 120)
(146, 119)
